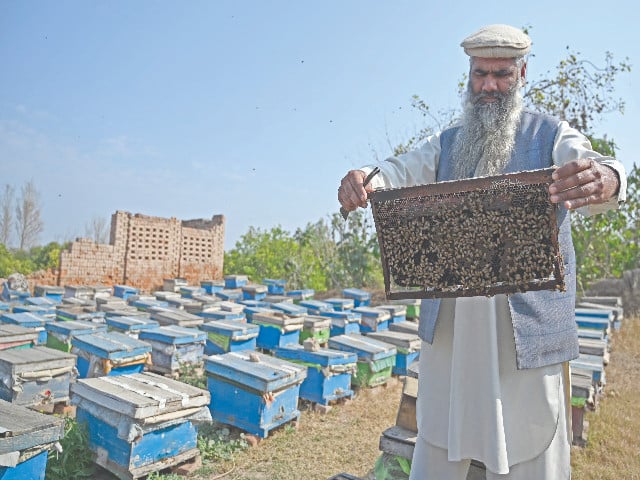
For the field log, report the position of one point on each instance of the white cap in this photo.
(497, 41)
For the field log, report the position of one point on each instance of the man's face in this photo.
(491, 77)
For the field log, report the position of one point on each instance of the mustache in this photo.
(477, 97)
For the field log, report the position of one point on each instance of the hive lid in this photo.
(323, 357)
(22, 428)
(38, 358)
(16, 333)
(231, 328)
(368, 349)
(406, 341)
(111, 345)
(174, 334)
(75, 327)
(139, 395)
(257, 371)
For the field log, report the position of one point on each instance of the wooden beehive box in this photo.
(173, 347)
(140, 423)
(229, 336)
(375, 358)
(471, 237)
(36, 376)
(109, 353)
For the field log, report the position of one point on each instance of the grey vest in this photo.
(544, 323)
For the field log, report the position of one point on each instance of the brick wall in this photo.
(144, 250)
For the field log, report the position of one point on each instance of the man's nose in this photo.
(489, 84)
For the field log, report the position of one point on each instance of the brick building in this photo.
(144, 250)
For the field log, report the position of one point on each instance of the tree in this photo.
(6, 215)
(29, 224)
(97, 229)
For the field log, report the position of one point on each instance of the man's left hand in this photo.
(583, 182)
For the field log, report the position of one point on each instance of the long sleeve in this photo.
(417, 167)
(570, 145)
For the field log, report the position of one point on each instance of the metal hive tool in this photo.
(470, 237)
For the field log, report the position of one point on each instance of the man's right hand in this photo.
(351, 194)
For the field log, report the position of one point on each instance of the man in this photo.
(493, 370)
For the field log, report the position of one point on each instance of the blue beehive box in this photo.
(343, 323)
(253, 291)
(174, 316)
(140, 423)
(250, 311)
(125, 291)
(144, 303)
(36, 376)
(254, 303)
(407, 348)
(373, 319)
(314, 307)
(52, 292)
(173, 347)
(79, 313)
(341, 304)
(15, 336)
(131, 326)
(277, 329)
(230, 295)
(275, 286)
(26, 438)
(303, 294)
(5, 307)
(42, 302)
(109, 353)
(289, 308)
(229, 336)
(592, 363)
(360, 297)
(253, 391)
(375, 359)
(49, 312)
(189, 291)
(398, 312)
(328, 372)
(59, 334)
(317, 328)
(28, 320)
(212, 286)
(594, 318)
(235, 281)
(222, 315)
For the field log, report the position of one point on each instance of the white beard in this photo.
(485, 142)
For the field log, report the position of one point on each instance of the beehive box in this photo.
(131, 326)
(289, 309)
(216, 314)
(173, 316)
(66, 313)
(109, 353)
(52, 292)
(317, 328)
(235, 281)
(375, 359)
(173, 284)
(125, 291)
(340, 304)
(469, 237)
(173, 347)
(145, 302)
(407, 348)
(25, 439)
(254, 291)
(140, 423)
(361, 298)
(302, 294)
(229, 294)
(275, 286)
(277, 329)
(342, 323)
(373, 319)
(398, 312)
(28, 320)
(328, 372)
(45, 311)
(314, 307)
(15, 336)
(212, 286)
(253, 391)
(36, 376)
(59, 334)
(229, 336)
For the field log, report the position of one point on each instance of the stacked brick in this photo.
(143, 250)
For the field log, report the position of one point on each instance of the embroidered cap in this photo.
(497, 41)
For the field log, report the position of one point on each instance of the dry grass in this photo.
(343, 440)
(346, 439)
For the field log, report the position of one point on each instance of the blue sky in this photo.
(250, 109)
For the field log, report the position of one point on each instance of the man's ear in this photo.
(523, 74)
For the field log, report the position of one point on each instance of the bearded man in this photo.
(494, 371)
